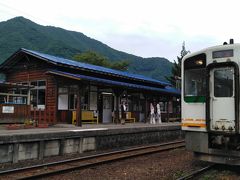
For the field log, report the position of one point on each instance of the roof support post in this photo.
(117, 108)
(29, 104)
(28, 97)
(117, 93)
(79, 109)
(168, 110)
(146, 108)
(56, 97)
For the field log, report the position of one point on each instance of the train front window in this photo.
(195, 83)
(195, 79)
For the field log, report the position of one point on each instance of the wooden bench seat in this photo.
(87, 117)
(129, 118)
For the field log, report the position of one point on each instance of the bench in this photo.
(129, 118)
(88, 117)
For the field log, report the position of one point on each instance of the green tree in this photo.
(94, 58)
(121, 65)
(175, 78)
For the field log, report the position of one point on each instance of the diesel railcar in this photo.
(210, 103)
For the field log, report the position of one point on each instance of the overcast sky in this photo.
(147, 28)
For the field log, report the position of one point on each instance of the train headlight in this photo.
(199, 62)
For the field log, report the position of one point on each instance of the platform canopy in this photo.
(113, 83)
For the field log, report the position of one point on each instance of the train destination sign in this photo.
(222, 54)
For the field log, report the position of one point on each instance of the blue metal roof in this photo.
(167, 89)
(90, 67)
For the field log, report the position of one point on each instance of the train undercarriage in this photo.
(216, 148)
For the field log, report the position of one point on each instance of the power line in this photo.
(22, 12)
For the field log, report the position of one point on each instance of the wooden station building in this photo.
(56, 90)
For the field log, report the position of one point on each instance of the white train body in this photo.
(210, 103)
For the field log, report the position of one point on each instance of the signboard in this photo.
(8, 109)
(63, 102)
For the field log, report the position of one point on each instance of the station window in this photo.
(37, 94)
(63, 98)
(14, 96)
(135, 103)
(167, 106)
(163, 106)
(72, 101)
(85, 101)
(67, 98)
(20, 99)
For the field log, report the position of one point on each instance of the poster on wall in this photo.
(93, 100)
(8, 109)
(62, 102)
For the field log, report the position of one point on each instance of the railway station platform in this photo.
(39, 143)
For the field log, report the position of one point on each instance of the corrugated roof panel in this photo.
(117, 83)
(91, 67)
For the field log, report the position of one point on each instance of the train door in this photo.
(222, 99)
(107, 108)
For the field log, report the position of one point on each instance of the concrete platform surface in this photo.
(86, 127)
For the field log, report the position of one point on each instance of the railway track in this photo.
(55, 168)
(197, 173)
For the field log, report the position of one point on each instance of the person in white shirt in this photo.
(123, 112)
(152, 114)
(158, 114)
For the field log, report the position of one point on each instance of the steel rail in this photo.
(197, 173)
(69, 162)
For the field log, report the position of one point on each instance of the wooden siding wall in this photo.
(51, 90)
(21, 113)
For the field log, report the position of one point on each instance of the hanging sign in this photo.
(8, 109)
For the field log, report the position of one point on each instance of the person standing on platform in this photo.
(123, 113)
(152, 115)
(158, 114)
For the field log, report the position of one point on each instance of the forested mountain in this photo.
(22, 33)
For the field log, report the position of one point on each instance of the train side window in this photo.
(223, 83)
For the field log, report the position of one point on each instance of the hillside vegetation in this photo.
(22, 33)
